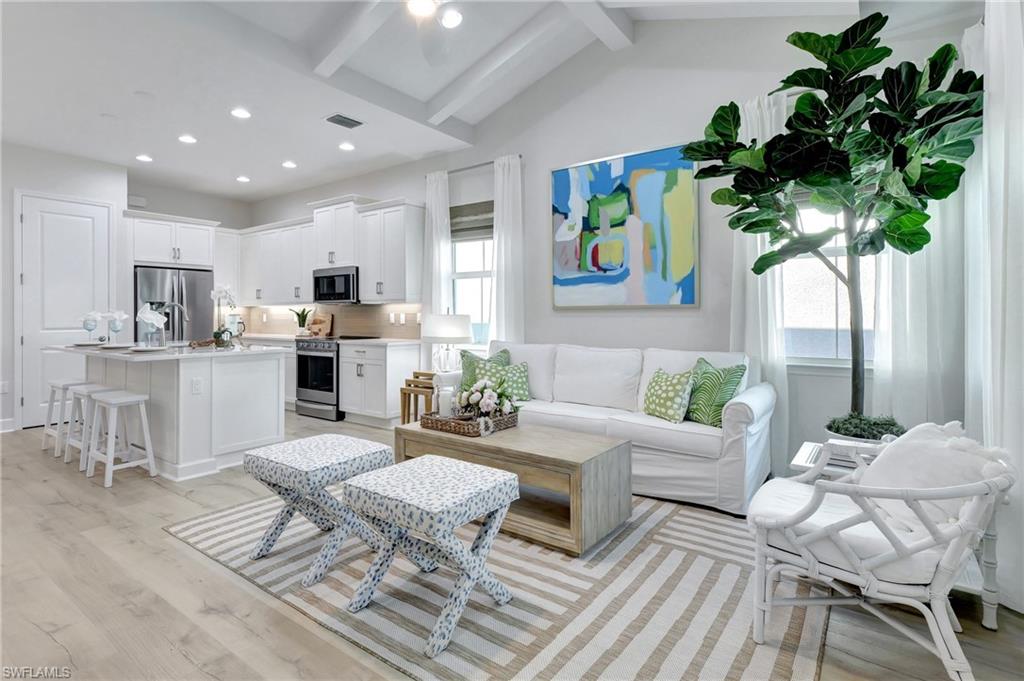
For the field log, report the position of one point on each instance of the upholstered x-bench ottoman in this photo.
(429, 497)
(299, 471)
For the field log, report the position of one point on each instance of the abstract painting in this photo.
(624, 231)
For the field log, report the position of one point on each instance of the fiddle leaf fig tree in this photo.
(871, 148)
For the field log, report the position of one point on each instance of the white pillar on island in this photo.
(205, 407)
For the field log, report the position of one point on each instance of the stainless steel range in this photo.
(317, 390)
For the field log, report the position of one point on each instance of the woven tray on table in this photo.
(466, 427)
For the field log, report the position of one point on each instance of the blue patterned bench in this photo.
(299, 471)
(432, 496)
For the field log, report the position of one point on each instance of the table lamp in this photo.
(446, 330)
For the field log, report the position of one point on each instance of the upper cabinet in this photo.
(389, 240)
(170, 240)
(334, 224)
(276, 265)
(226, 260)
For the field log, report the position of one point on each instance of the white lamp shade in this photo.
(446, 328)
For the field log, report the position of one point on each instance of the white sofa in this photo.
(600, 390)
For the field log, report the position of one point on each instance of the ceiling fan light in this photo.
(421, 8)
(451, 18)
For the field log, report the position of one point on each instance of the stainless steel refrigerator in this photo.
(191, 289)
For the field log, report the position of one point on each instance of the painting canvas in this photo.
(624, 231)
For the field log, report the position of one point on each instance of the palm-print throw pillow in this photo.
(712, 388)
(668, 395)
(471, 360)
(515, 377)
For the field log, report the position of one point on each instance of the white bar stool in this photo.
(81, 420)
(112, 402)
(61, 384)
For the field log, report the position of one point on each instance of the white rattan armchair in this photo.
(877, 544)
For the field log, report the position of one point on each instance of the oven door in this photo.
(339, 285)
(316, 378)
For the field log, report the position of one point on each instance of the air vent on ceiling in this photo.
(344, 121)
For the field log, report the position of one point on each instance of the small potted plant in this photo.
(301, 316)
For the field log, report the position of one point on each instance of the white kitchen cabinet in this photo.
(250, 268)
(389, 243)
(308, 249)
(334, 224)
(169, 240)
(226, 244)
(274, 265)
(290, 363)
(371, 376)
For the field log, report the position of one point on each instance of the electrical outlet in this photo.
(5, 387)
(401, 318)
(197, 386)
(419, 317)
(391, 317)
(264, 316)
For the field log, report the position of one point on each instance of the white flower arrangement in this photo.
(484, 398)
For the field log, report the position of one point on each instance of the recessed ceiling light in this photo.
(242, 178)
(187, 139)
(451, 18)
(289, 165)
(346, 146)
(145, 158)
(239, 112)
(421, 8)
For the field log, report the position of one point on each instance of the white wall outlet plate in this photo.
(5, 387)
(401, 318)
(197, 386)
(264, 316)
(419, 317)
(391, 317)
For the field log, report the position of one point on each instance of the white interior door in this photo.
(65, 247)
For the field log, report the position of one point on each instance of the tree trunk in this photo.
(856, 318)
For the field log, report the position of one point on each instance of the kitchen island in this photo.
(206, 406)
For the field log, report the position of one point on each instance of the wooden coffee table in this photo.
(574, 488)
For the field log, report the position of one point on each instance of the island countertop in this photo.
(172, 353)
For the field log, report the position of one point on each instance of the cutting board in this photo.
(320, 324)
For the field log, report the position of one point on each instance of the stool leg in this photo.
(375, 573)
(94, 441)
(108, 470)
(61, 434)
(328, 552)
(146, 439)
(446, 622)
(88, 409)
(73, 420)
(123, 422)
(49, 415)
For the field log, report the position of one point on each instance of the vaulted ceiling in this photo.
(111, 81)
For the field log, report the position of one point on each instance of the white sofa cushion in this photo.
(579, 417)
(540, 363)
(781, 497)
(687, 437)
(678, 361)
(601, 377)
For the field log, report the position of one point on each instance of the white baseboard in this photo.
(6, 425)
(372, 421)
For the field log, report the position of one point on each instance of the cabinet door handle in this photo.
(359, 370)
(296, 291)
(179, 253)
(259, 293)
(361, 352)
(330, 256)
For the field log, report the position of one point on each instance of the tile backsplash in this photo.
(350, 320)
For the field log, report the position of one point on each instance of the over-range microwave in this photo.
(336, 285)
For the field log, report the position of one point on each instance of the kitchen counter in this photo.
(206, 406)
(268, 336)
(171, 352)
(380, 341)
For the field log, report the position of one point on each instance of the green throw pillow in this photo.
(712, 388)
(668, 395)
(471, 360)
(515, 377)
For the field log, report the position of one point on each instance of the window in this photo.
(471, 282)
(815, 309)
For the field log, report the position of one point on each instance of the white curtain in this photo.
(437, 252)
(508, 280)
(918, 371)
(756, 326)
(994, 262)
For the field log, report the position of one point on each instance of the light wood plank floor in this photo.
(91, 581)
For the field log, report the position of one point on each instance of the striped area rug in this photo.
(666, 597)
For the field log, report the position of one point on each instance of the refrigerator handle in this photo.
(184, 304)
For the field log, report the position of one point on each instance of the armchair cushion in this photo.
(782, 497)
(925, 457)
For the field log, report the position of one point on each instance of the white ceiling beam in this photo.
(611, 25)
(330, 54)
(492, 66)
